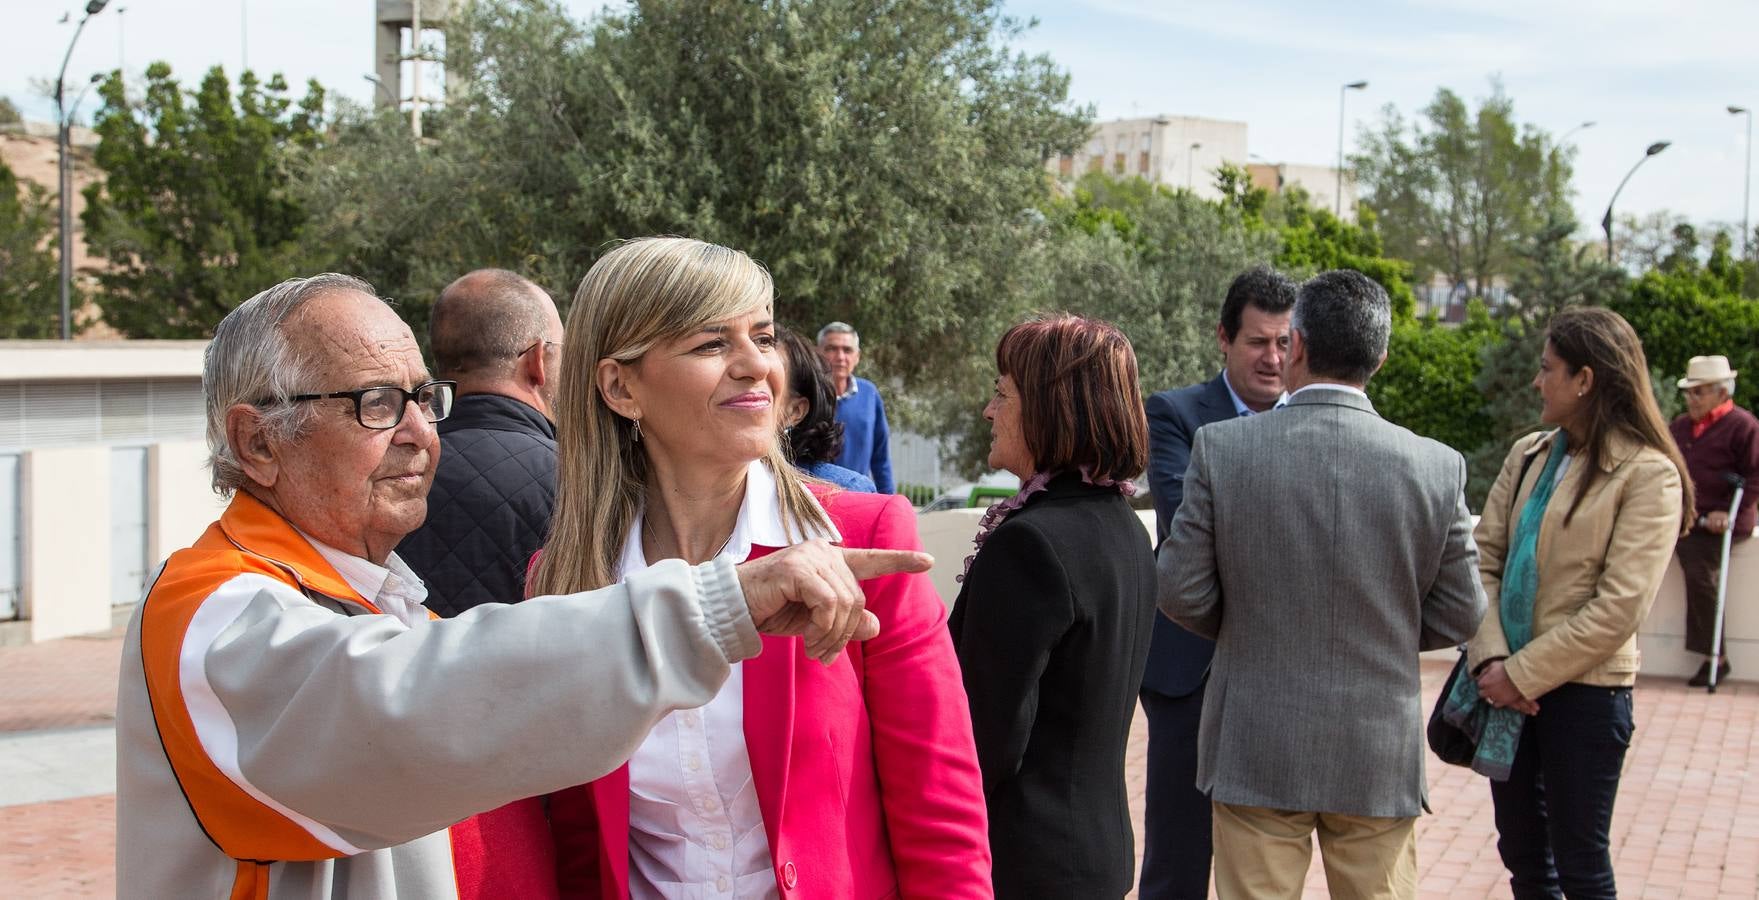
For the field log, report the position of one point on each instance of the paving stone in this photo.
(1686, 824)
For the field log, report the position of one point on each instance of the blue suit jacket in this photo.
(1177, 659)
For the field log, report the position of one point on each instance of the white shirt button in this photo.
(690, 719)
(721, 884)
(711, 804)
(719, 841)
(695, 763)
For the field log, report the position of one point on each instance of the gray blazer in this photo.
(1322, 547)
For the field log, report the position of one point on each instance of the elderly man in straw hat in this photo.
(1717, 438)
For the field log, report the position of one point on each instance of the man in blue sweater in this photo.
(859, 407)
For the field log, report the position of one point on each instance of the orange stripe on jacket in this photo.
(242, 826)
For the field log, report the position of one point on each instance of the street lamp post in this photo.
(1566, 138)
(1747, 192)
(64, 173)
(415, 69)
(1338, 206)
(1606, 221)
(1189, 157)
(390, 99)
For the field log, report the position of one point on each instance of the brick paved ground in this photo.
(60, 849)
(1687, 824)
(59, 684)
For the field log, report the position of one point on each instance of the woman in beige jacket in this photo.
(1575, 537)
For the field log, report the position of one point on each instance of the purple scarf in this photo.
(995, 515)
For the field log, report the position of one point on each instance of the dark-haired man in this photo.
(1322, 548)
(1253, 336)
(498, 335)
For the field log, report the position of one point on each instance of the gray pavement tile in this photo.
(40, 766)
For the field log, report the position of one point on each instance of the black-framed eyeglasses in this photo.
(380, 408)
(540, 342)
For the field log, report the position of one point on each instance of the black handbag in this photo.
(1449, 743)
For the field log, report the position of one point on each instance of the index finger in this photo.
(865, 564)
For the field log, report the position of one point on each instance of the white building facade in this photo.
(1177, 151)
(102, 475)
(1187, 152)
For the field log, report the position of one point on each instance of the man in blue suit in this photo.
(1253, 335)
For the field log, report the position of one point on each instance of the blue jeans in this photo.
(1554, 813)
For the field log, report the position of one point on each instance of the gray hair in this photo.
(250, 361)
(1727, 385)
(839, 328)
(1345, 320)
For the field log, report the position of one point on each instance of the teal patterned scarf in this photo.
(1498, 731)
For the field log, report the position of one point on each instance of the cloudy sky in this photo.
(1642, 71)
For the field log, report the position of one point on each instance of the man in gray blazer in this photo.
(1322, 548)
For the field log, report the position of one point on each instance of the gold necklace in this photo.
(648, 532)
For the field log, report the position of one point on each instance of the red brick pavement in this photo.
(1687, 823)
(60, 849)
(59, 684)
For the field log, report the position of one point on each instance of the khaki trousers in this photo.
(1264, 853)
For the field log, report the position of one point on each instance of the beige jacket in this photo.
(1597, 576)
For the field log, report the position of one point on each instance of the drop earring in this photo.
(635, 431)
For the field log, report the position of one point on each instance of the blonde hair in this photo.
(642, 293)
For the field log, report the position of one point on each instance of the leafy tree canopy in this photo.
(30, 300)
(193, 213)
(1460, 190)
(885, 163)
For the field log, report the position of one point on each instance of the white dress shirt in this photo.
(1331, 386)
(695, 829)
(393, 587)
(1240, 407)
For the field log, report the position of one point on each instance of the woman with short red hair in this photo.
(1053, 621)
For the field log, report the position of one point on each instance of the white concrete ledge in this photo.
(1661, 639)
(84, 360)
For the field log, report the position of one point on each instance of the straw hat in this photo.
(1706, 370)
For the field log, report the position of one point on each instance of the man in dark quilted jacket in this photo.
(499, 336)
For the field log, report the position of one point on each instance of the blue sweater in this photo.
(865, 437)
(839, 476)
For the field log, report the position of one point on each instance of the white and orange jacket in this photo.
(278, 737)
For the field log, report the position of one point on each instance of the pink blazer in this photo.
(865, 770)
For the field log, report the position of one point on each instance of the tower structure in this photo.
(415, 18)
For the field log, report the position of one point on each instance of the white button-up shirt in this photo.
(695, 829)
(1240, 407)
(393, 587)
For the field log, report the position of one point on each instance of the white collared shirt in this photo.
(1332, 386)
(695, 829)
(393, 587)
(1240, 407)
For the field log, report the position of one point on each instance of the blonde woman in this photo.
(854, 776)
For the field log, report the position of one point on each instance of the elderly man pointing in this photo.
(291, 722)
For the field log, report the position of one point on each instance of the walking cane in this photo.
(1728, 535)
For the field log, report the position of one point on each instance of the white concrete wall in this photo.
(948, 536)
(1170, 159)
(1663, 636)
(91, 360)
(180, 503)
(66, 517)
(1321, 184)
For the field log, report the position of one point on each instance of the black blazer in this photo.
(1178, 659)
(1052, 631)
